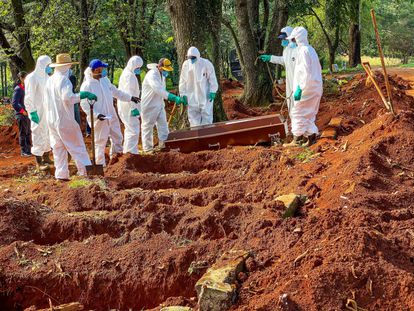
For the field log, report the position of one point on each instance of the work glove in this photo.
(175, 98)
(265, 58)
(298, 94)
(135, 112)
(135, 99)
(101, 117)
(88, 95)
(34, 117)
(185, 100)
(211, 96)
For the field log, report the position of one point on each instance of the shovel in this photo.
(94, 169)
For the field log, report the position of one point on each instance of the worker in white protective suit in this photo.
(198, 83)
(106, 122)
(65, 133)
(129, 111)
(307, 83)
(152, 104)
(288, 60)
(35, 84)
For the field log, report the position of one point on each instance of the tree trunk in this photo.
(197, 23)
(354, 45)
(355, 33)
(84, 43)
(257, 89)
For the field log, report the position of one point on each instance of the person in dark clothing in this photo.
(22, 118)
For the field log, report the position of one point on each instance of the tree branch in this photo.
(227, 24)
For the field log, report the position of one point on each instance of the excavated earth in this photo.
(141, 237)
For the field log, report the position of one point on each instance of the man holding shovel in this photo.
(65, 133)
(106, 122)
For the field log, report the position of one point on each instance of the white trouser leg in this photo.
(162, 127)
(194, 115)
(101, 138)
(207, 113)
(131, 135)
(115, 134)
(40, 138)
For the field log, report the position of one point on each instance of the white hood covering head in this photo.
(88, 74)
(64, 70)
(287, 30)
(193, 51)
(300, 34)
(135, 62)
(41, 64)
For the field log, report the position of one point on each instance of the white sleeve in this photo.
(122, 96)
(158, 87)
(30, 90)
(67, 94)
(212, 79)
(183, 79)
(279, 60)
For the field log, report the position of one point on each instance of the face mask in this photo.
(48, 70)
(137, 71)
(70, 72)
(293, 45)
(193, 60)
(104, 73)
(285, 43)
(165, 74)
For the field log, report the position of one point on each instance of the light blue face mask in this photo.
(293, 45)
(193, 60)
(104, 73)
(48, 70)
(165, 74)
(285, 43)
(137, 71)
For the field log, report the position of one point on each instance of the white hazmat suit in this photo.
(288, 60)
(109, 128)
(308, 76)
(128, 83)
(65, 133)
(197, 81)
(35, 84)
(153, 108)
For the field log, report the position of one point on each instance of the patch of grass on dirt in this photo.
(79, 183)
(305, 156)
(6, 116)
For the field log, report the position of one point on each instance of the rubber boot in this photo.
(46, 158)
(311, 140)
(296, 142)
(40, 165)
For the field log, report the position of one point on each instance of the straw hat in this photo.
(63, 60)
(165, 64)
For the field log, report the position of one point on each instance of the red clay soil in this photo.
(142, 236)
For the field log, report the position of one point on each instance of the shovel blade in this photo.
(95, 170)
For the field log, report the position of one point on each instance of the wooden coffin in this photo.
(244, 132)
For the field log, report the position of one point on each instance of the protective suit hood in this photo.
(41, 64)
(300, 34)
(134, 62)
(288, 30)
(193, 51)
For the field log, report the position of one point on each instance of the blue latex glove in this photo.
(185, 100)
(212, 97)
(175, 98)
(298, 94)
(34, 117)
(135, 112)
(265, 58)
(88, 95)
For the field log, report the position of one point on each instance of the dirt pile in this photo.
(146, 233)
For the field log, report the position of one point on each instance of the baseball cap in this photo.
(96, 63)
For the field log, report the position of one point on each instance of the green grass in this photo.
(409, 65)
(79, 183)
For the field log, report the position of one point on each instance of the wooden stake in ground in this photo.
(381, 54)
(371, 76)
